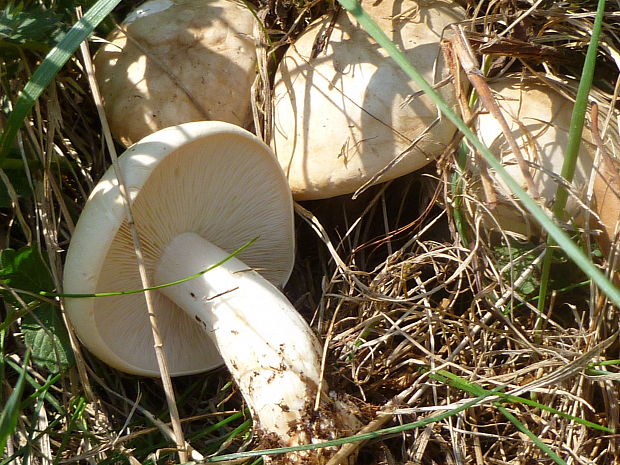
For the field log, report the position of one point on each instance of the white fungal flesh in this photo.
(267, 346)
(187, 60)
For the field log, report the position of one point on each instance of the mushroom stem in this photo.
(268, 347)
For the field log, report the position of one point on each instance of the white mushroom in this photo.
(179, 61)
(539, 120)
(345, 112)
(200, 191)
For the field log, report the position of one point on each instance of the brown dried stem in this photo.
(145, 278)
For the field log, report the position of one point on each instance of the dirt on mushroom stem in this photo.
(269, 349)
(333, 419)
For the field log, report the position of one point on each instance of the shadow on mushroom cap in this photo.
(206, 46)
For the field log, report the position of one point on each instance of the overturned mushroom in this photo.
(175, 61)
(200, 191)
(344, 112)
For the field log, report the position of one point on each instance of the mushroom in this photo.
(175, 61)
(606, 204)
(198, 192)
(344, 111)
(539, 120)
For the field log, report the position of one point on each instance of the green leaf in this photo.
(46, 336)
(43, 329)
(34, 28)
(24, 269)
(519, 256)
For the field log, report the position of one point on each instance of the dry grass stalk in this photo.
(145, 278)
(470, 66)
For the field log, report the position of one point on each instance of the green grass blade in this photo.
(604, 363)
(11, 410)
(456, 187)
(358, 437)
(37, 388)
(541, 445)
(159, 286)
(214, 427)
(74, 424)
(561, 238)
(53, 62)
(574, 142)
(244, 427)
(456, 381)
(475, 389)
(579, 110)
(614, 377)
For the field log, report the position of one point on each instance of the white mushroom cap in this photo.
(343, 116)
(539, 120)
(210, 178)
(206, 45)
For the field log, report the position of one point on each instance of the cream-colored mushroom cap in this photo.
(212, 179)
(539, 120)
(343, 113)
(180, 61)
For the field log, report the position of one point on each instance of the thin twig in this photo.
(466, 57)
